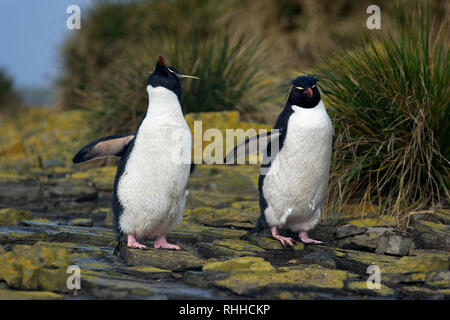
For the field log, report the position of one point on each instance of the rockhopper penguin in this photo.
(150, 185)
(294, 176)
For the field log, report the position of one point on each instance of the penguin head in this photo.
(304, 92)
(162, 76)
(167, 77)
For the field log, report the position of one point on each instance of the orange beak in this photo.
(309, 92)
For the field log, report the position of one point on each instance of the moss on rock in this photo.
(361, 288)
(364, 258)
(82, 222)
(211, 234)
(29, 295)
(425, 262)
(230, 248)
(35, 268)
(432, 235)
(14, 235)
(307, 278)
(164, 259)
(241, 215)
(240, 265)
(12, 217)
(384, 221)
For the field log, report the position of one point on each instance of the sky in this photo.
(31, 35)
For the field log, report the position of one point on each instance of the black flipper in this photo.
(104, 147)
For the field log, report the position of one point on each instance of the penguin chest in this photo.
(158, 166)
(152, 187)
(297, 182)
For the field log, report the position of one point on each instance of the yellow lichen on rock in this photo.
(425, 262)
(28, 295)
(12, 217)
(240, 265)
(361, 287)
(384, 221)
(310, 277)
(221, 121)
(40, 134)
(35, 268)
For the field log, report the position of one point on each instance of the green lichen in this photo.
(385, 221)
(421, 263)
(28, 295)
(35, 268)
(164, 259)
(240, 265)
(308, 278)
(12, 217)
(361, 287)
(238, 216)
(235, 247)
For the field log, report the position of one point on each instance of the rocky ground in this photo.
(54, 217)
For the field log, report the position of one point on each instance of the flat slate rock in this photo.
(302, 279)
(175, 260)
(349, 230)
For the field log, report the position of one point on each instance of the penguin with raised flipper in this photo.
(155, 161)
(295, 169)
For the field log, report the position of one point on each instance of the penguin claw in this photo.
(132, 243)
(137, 246)
(168, 246)
(161, 243)
(306, 239)
(285, 241)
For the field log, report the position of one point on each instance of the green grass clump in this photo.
(390, 106)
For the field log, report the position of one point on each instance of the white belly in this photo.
(152, 189)
(296, 185)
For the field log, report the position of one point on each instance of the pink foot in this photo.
(161, 243)
(305, 239)
(132, 243)
(283, 240)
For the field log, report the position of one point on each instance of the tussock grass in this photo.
(231, 73)
(389, 101)
(296, 30)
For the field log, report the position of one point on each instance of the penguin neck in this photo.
(316, 117)
(163, 103)
(296, 108)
